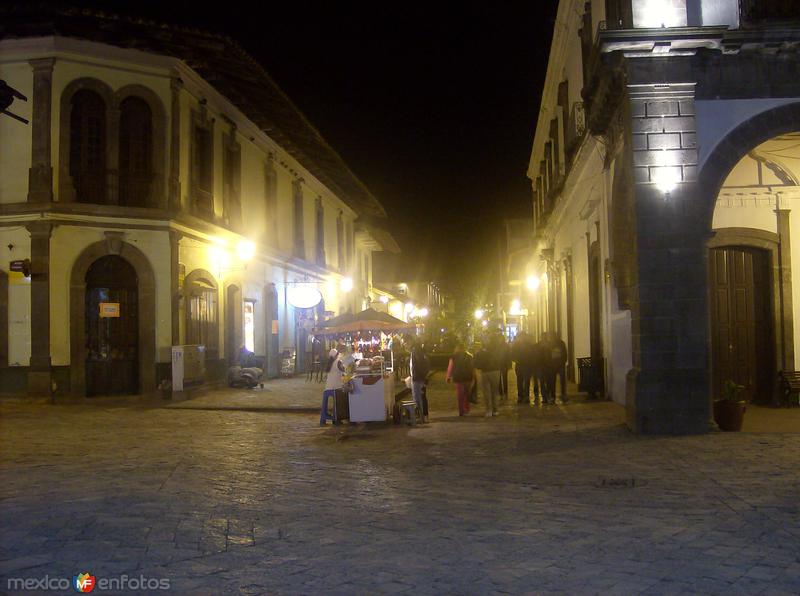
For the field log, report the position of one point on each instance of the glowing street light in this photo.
(246, 250)
(532, 283)
(479, 313)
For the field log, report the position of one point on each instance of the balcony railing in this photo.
(576, 129)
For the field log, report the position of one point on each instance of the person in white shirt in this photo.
(334, 381)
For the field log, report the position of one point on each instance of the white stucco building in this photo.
(164, 172)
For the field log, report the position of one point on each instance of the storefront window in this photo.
(250, 325)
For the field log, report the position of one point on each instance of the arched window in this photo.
(135, 152)
(87, 145)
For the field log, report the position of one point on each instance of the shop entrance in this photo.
(112, 327)
(741, 325)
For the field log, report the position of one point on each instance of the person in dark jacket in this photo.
(461, 371)
(489, 361)
(505, 366)
(555, 365)
(522, 353)
(420, 367)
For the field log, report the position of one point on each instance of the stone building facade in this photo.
(165, 178)
(664, 169)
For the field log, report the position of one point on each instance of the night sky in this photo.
(432, 105)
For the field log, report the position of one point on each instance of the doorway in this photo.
(741, 323)
(112, 327)
(233, 324)
(595, 310)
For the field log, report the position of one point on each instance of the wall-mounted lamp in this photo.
(246, 250)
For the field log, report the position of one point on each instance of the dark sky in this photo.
(433, 105)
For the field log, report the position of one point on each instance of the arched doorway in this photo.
(112, 327)
(113, 245)
(751, 175)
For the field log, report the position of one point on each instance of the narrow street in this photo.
(545, 500)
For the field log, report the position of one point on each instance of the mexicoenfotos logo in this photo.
(84, 582)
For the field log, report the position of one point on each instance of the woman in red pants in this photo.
(461, 372)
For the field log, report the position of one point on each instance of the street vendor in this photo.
(335, 369)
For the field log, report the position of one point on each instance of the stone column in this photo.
(174, 285)
(39, 374)
(175, 146)
(668, 386)
(40, 175)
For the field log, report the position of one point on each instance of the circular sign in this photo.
(303, 296)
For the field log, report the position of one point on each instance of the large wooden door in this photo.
(741, 327)
(112, 328)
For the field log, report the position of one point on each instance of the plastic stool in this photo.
(323, 413)
(408, 407)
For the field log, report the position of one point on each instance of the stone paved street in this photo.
(556, 500)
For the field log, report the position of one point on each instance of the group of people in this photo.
(539, 364)
(535, 363)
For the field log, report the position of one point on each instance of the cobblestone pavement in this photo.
(552, 500)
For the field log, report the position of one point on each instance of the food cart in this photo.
(372, 393)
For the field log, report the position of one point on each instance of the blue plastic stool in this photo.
(323, 413)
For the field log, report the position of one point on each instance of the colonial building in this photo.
(665, 169)
(166, 192)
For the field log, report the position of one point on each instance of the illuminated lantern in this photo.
(303, 296)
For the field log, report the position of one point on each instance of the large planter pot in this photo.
(729, 414)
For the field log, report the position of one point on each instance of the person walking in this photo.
(420, 367)
(538, 371)
(556, 362)
(522, 353)
(460, 370)
(488, 361)
(505, 364)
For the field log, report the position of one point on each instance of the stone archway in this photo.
(723, 159)
(112, 245)
(735, 145)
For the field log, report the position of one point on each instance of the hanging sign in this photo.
(109, 309)
(303, 296)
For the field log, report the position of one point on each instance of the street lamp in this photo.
(479, 313)
(246, 250)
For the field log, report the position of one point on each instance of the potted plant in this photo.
(729, 411)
